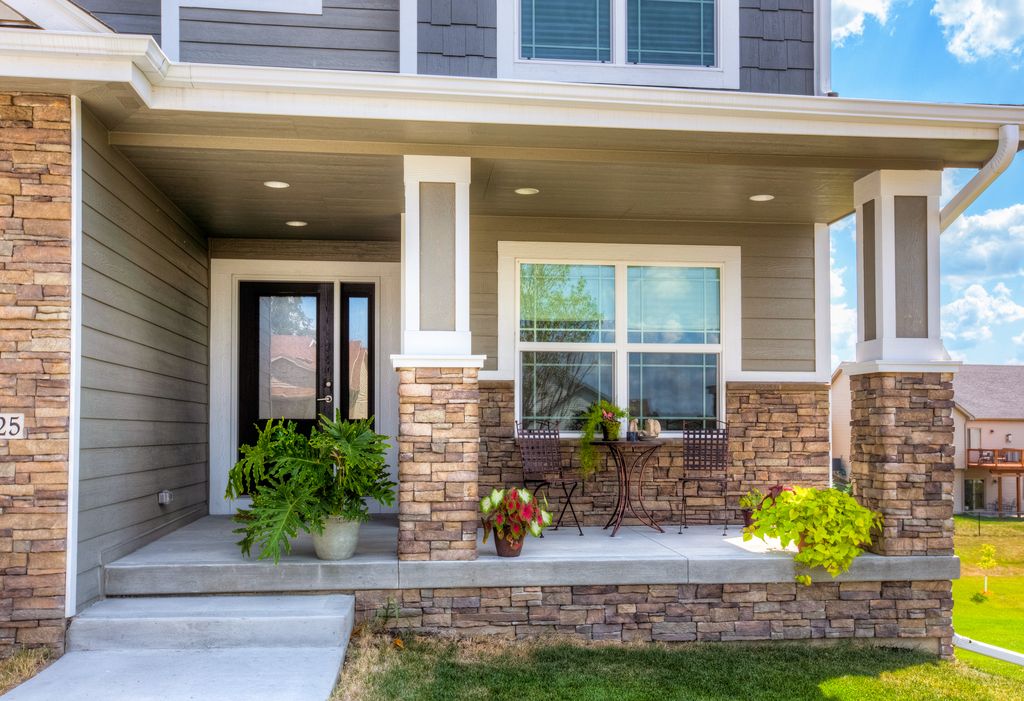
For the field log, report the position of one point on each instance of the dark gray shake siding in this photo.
(127, 16)
(356, 35)
(777, 46)
(458, 37)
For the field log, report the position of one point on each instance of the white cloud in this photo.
(968, 320)
(844, 332)
(981, 247)
(848, 17)
(1019, 339)
(953, 180)
(981, 28)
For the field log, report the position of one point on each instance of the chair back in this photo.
(706, 449)
(541, 450)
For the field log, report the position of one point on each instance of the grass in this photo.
(20, 666)
(1000, 619)
(433, 669)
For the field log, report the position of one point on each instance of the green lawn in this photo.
(1000, 620)
(431, 669)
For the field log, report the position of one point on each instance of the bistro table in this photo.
(630, 462)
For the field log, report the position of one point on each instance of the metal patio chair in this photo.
(705, 459)
(542, 466)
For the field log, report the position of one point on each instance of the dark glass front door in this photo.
(286, 352)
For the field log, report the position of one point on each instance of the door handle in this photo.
(329, 399)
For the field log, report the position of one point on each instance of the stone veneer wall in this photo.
(915, 614)
(779, 434)
(35, 354)
(902, 463)
(438, 452)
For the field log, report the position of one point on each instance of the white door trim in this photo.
(225, 274)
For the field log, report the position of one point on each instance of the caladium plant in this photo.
(512, 513)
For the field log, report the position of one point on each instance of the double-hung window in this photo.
(647, 336)
(633, 41)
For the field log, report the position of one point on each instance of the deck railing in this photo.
(996, 458)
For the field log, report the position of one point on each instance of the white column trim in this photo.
(884, 186)
(415, 341)
(408, 36)
(75, 380)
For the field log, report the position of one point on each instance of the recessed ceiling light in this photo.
(762, 198)
(526, 191)
(276, 184)
(296, 223)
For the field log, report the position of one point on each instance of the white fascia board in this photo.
(352, 94)
(58, 15)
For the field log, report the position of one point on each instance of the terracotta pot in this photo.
(611, 431)
(748, 517)
(507, 549)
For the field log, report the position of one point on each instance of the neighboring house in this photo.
(518, 206)
(988, 430)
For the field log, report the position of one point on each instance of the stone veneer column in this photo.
(35, 278)
(438, 463)
(902, 445)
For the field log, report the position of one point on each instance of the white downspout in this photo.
(1009, 141)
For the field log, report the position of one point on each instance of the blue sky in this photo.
(943, 51)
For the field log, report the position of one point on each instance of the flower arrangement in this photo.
(749, 503)
(512, 514)
(607, 416)
(829, 527)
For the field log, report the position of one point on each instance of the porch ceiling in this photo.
(346, 175)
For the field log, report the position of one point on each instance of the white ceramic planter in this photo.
(338, 541)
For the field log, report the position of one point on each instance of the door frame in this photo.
(225, 274)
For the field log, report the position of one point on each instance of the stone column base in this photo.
(438, 463)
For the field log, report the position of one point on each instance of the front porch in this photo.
(700, 585)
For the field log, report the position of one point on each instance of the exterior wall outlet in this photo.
(165, 497)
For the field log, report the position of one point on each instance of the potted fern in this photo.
(607, 417)
(318, 484)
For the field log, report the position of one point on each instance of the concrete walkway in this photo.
(228, 648)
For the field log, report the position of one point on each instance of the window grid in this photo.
(621, 348)
(531, 48)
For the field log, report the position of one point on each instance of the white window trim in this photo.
(724, 75)
(726, 258)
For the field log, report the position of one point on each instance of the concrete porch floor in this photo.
(202, 558)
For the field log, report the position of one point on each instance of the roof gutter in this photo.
(1009, 142)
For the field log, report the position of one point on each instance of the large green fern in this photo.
(296, 481)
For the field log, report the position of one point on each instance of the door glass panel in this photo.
(287, 357)
(358, 358)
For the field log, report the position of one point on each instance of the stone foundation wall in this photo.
(911, 613)
(779, 434)
(902, 466)
(35, 355)
(438, 446)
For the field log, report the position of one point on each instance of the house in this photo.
(987, 434)
(511, 205)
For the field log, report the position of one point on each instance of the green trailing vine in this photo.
(599, 413)
(829, 527)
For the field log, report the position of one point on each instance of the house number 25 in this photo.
(12, 426)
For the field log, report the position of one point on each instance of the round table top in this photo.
(624, 442)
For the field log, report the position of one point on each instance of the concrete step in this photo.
(206, 622)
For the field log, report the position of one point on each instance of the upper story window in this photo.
(674, 43)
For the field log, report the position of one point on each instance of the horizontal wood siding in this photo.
(777, 264)
(127, 16)
(358, 35)
(145, 316)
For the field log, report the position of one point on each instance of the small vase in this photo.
(507, 549)
(611, 431)
(338, 541)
